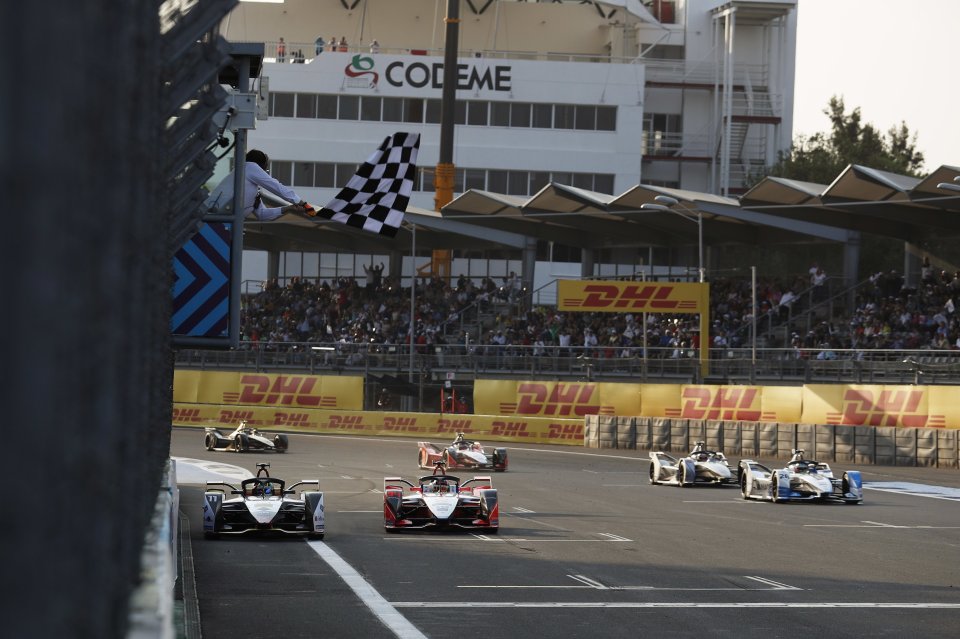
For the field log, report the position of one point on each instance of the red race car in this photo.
(462, 453)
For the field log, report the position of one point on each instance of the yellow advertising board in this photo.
(535, 430)
(262, 389)
(874, 405)
(555, 399)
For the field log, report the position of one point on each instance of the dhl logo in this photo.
(886, 408)
(734, 404)
(233, 416)
(561, 400)
(565, 431)
(641, 297)
(401, 424)
(455, 426)
(510, 429)
(283, 390)
(291, 419)
(347, 422)
(189, 415)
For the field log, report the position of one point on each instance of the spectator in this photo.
(342, 46)
(320, 44)
(374, 47)
(281, 51)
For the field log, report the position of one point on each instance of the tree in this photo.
(821, 157)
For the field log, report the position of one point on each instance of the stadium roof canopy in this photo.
(775, 211)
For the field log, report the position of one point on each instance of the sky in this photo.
(897, 61)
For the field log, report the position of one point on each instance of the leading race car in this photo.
(701, 466)
(263, 504)
(462, 453)
(801, 480)
(439, 501)
(243, 438)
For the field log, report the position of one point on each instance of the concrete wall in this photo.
(883, 446)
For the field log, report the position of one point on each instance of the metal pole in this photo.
(700, 243)
(444, 178)
(236, 239)
(753, 325)
(413, 293)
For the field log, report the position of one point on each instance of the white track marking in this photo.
(613, 537)
(917, 490)
(379, 606)
(592, 583)
(680, 604)
(875, 524)
(200, 471)
(770, 582)
(521, 509)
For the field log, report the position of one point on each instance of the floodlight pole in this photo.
(666, 203)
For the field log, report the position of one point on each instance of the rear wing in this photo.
(303, 482)
(395, 483)
(480, 479)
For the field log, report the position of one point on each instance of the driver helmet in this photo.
(702, 457)
(267, 489)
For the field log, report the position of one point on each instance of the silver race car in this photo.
(801, 480)
(244, 438)
(701, 466)
(263, 504)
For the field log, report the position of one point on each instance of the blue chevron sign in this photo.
(201, 288)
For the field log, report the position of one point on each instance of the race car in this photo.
(801, 480)
(440, 502)
(701, 466)
(263, 504)
(244, 438)
(462, 453)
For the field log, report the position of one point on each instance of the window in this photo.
(538, 180)
(583, 181)
(282, 105)
(370, 108)
(460, 113)
(497, 181)
(520, 114)
(426, 179)
(543, 116)
(477, 113)
(303, 174)
(393, 109)
(327, 107)
(282, 171)
(413, 110)
(606, 118)
(518, 183)
(563, 116)
(603, 183)
(344, 173)
(500, 113)
(325, 175)
(475, 179)
(433, 111)
(349, 107)
(586, 117)
(306, 105)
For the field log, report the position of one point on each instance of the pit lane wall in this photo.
(332, 405)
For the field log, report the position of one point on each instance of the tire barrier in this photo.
(875, 445)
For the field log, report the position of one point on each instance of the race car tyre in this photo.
(281, 443)
(210, 441)
(743, 486)
(653, 474)
(240, 443)
(775, 490)
(317, 536)
(681, 475)
(422, 458)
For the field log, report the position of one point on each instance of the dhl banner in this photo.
(534, 430)
(554, 399)
(261, 389)
(871, 405)
(612, 296)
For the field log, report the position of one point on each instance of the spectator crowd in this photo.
(887, 314)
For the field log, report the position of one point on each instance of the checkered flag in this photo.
(377, 195)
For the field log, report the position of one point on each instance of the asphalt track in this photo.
(587, 548)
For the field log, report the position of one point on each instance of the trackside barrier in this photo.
(534, 430)
(879, 445)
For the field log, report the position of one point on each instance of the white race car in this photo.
(701, 466)
(263, 504)
(801, 480)
(244, 438)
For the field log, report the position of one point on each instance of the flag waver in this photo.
(377, 195)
